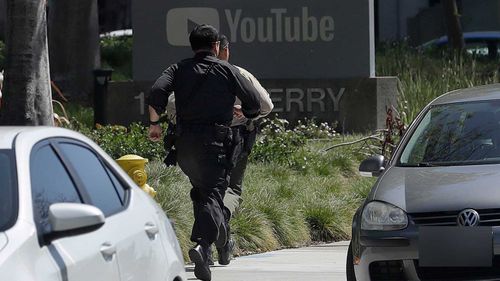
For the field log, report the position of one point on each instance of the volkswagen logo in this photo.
(468, 217)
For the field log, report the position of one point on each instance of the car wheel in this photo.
(350, 265)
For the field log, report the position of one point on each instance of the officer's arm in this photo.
(157, 101)
(266, 104)
(154, 132)
(247, 93)
(162, 88)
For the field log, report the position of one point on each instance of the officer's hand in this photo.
(237, 112)
(154, 133)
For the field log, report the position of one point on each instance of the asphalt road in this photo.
(323, 262)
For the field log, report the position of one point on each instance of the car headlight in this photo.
(383, 216)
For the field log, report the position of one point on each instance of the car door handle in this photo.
(108, 250)
(151, 230)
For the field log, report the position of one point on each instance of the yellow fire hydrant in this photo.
(134, 166)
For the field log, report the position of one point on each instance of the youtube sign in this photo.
(315, 58)
(181, 21)
(285, 39)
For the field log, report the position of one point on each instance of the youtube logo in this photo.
(180, 22)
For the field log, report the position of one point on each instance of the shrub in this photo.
(322, 223)
(277, 143)
(275, 200)
(116, 53)
(252, 231)
(118, 141)
(311, 130)
(283, 144)
(80, 117)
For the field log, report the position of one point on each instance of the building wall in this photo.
(481, 15)
(393, 16)
(115, 15)
(429, 23)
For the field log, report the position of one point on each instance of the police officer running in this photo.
(205, 89)
(244, 134)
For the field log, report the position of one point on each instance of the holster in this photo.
(170, 137)
(169, 145)
(225, 135)
(171, 159)
(249, 136)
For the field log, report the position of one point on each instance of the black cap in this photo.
(203, 36)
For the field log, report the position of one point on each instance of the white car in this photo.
(68, 212)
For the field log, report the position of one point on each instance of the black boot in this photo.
(226, 252)
(199, 256)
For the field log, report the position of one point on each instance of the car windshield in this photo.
(456, 134)
(8, 192)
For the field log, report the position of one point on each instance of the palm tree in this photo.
(27, 98)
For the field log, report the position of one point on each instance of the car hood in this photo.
(3, 240)
(430, 189)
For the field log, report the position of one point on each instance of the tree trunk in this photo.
(453, 26)
(27, 98)
(74, 46)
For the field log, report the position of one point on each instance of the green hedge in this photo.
(118, 141)
(116, 53)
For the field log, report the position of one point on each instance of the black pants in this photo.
(232, 198)
(202, 157)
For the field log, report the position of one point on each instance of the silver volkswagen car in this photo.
(434, 212)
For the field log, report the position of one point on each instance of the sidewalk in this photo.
(323, 262)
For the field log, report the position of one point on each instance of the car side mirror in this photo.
(372, 166)
(73, 219)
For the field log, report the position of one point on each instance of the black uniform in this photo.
(205, 89)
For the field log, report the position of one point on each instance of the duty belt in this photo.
(196, 127)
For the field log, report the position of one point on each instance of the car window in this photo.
(118, 185)
(414, 152)
(50, 183)
(8, 191)
(456, 134)
(94, 177)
